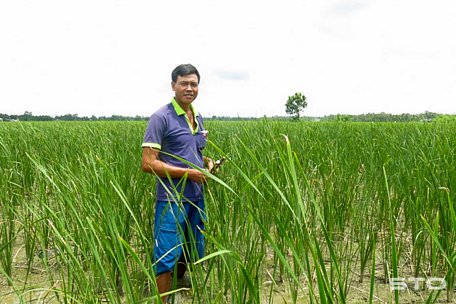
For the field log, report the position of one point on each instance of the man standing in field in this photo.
(172, 150)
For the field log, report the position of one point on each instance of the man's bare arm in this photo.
(152, 164)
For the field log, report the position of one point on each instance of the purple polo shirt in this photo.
(170, 131)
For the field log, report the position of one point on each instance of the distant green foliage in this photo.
(28, 116)
(369, 117)
(295, 104)
(445, 118)
(385, 117)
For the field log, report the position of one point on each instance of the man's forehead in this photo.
(190, 77)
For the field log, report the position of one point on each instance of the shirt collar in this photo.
(180, 111)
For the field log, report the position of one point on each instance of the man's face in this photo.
(186, 88)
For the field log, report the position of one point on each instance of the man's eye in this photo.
(192, 84)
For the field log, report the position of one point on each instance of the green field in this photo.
(302, 213)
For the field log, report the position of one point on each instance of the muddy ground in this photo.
(37, 288)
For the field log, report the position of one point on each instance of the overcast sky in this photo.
(91, 57)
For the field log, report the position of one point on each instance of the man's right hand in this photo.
(197, 176)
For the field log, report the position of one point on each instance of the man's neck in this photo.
(186, 107)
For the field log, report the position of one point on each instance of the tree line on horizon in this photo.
(28, 116)
(369, 117)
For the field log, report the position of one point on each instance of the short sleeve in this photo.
(154, 132)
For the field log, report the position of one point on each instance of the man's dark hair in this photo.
(183, 70)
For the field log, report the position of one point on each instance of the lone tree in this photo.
(295, 104)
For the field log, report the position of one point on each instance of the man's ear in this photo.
(173, 86)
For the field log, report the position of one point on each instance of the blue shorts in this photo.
(177, 226)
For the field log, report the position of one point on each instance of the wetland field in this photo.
(301, 212)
